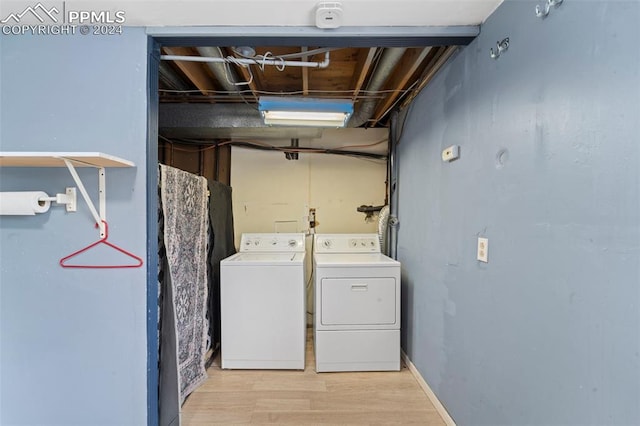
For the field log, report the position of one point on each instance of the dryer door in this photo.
(358, 301)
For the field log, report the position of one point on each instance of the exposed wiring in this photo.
(309, 53)
(310, 282)
(398, 100)
(293, 92)
(364, 146)
(227, 71)
(261, 60)
(268, 147)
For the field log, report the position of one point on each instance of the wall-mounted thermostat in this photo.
(451, 153)
(329, 14)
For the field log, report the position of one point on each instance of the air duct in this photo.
(170, 79)
(223, 72)
(365, 109)
(204, 120)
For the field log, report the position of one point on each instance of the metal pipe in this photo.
(393, 187)
(388, 61)
(223, 73)
(244, 61)
(168, 77)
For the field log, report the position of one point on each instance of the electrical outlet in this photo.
(483, 249)
(312, 218)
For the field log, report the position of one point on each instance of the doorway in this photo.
(428, 50)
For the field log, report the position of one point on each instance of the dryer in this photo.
(357, 304)
(263, 303)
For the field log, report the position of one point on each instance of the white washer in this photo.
(357, 304)
(263, 303)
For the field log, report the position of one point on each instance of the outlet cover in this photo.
(483, 249)
(451, 153)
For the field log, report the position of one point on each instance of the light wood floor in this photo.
(307, 398)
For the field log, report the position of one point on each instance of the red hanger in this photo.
(101, 241)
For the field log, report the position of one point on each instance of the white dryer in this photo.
(357, 304)
(263, 303)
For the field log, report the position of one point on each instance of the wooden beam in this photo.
(402, 74)
(365, 60)
(195, 71)
(431, 70)
(305, 74)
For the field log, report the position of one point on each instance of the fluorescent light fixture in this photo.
(280, 111)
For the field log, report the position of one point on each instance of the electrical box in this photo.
(451, 153)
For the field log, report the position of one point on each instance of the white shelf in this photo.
(56, 159)
(71, 160)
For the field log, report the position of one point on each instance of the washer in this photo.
(262, 303)
(357, 304)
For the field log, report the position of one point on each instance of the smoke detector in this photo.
(329, 14)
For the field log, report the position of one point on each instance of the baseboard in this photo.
(425, 387)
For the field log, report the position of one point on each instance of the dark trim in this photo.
(264, 36)
(153, 67)
(310, 36)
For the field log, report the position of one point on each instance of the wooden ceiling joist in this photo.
(443, 55)
(365, 60)
(404, 71)
(305, 73)
(194, 71)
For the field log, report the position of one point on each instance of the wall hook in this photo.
(542, 12)
(501, 46)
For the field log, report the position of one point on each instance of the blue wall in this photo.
(548, 331)
(73, 342)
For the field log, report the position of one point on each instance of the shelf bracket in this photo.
(100, 218)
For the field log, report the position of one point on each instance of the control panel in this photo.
(346, 243)
(272, 242)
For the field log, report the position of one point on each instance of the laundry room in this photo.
(323, 181)
(502, 136)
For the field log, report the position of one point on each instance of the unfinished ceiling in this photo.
(375, 79)
(380, 69)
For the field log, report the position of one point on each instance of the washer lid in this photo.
(245, 259)
(354, 259)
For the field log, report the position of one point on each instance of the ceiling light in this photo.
(280, 111)
(246, 51)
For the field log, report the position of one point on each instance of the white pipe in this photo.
(244, 61)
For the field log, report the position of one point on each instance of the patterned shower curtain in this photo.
(184, 200)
